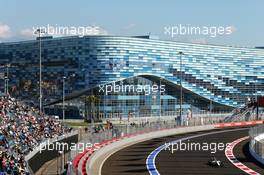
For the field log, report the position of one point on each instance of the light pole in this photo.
(7, 78)
(63, 98)
(256, 101)
(39, 32)
(60, 170)
(58, 163)
(63, 94)
(160, 98)
(211, 101)
(180, 53)
(154, 101)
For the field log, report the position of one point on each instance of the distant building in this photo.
(223, 76)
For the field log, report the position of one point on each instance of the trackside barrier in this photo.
(36, 158)
(256, 145)
(238, 124)
(90, 151)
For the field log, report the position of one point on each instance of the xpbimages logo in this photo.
(58, 30)
(128, 88)
(195, 146)
(212, 31)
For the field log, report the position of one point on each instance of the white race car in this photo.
(213, 162)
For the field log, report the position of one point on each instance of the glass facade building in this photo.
(216, 78)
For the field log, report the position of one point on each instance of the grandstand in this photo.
(22, 129)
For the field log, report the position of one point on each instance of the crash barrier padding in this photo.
(36, 159)
(238, 124)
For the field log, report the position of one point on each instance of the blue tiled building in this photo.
(216, 77)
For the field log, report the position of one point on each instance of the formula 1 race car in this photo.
(213, 162)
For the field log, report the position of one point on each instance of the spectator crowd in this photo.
(22, 128)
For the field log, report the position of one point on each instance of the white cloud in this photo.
(233, 29)
(5, 31)
(129, 26)
(27, 33)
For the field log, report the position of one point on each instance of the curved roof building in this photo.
(221, 76)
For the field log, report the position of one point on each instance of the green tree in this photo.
(90, 106)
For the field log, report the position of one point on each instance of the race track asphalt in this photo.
(132, 160)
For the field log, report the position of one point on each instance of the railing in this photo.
(163, 114)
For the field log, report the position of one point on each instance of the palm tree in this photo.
(90, 102)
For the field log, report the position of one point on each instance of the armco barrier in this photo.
(36, 159)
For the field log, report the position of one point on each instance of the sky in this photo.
(138, 17)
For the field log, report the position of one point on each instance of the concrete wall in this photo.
(256, 148)
(37, 157)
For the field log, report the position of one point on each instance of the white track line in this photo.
(150, 161)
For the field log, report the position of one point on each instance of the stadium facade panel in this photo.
(218, 77)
